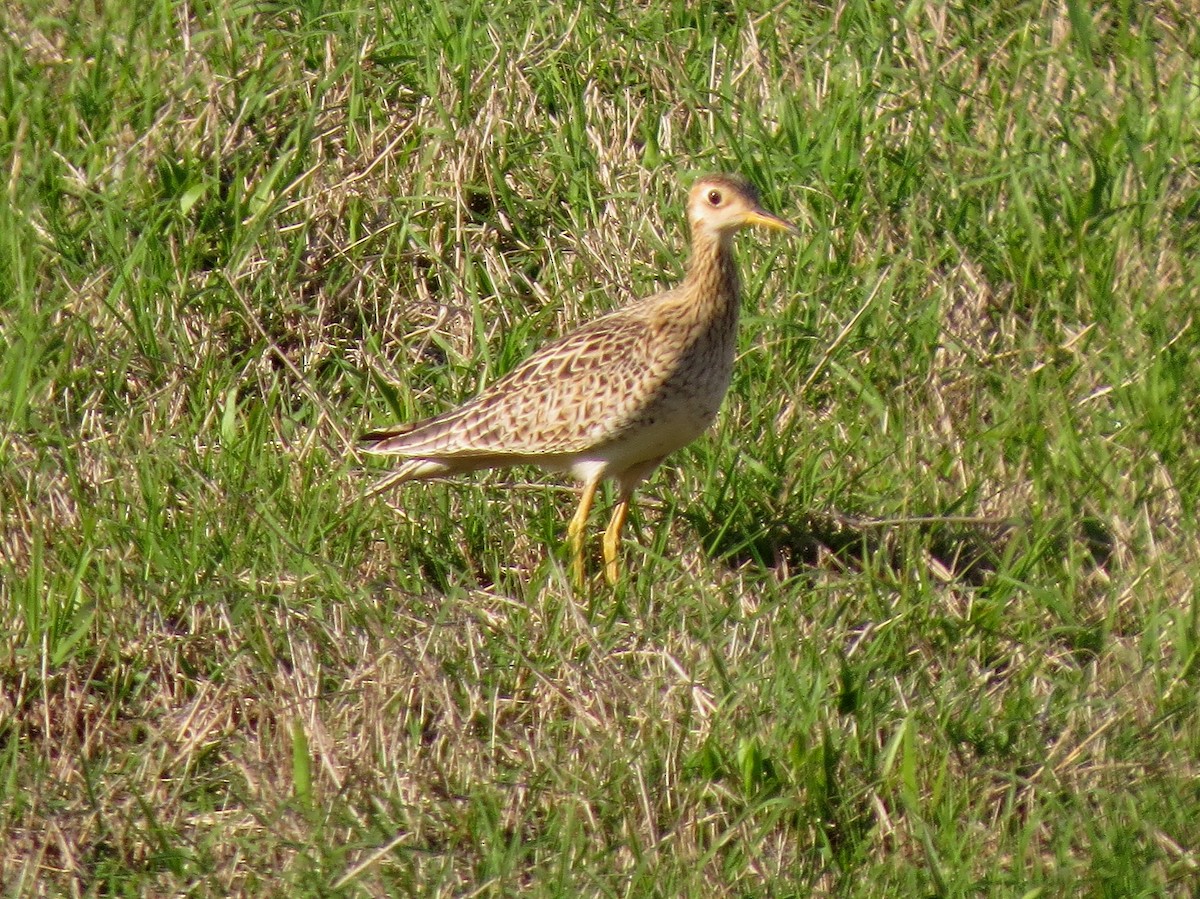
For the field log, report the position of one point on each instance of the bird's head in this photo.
(720, 205)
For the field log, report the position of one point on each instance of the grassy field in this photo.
(919, 617)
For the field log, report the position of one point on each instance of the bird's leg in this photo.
(628, 481)
(576, 528)
(612, 538)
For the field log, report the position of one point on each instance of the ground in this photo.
(919, 616)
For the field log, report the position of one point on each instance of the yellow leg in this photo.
(576, 528)
(612, 541)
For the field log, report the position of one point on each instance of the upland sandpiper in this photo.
(614, 397)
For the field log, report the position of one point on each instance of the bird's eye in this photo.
(714, 198)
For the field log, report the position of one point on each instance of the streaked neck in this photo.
(712, 283)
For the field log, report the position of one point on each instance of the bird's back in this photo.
(639, 369)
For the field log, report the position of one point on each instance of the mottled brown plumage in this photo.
(614, 397)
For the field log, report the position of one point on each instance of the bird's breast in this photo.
(681, 394)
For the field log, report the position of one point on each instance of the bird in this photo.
(612, 398)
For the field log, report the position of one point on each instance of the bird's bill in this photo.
(764, 218)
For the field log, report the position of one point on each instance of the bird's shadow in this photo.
(964, 549)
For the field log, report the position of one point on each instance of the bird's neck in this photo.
(712, 285)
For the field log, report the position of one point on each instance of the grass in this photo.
(921, 616)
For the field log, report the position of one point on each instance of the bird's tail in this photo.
(386, 440)
(409, 470)
(391, 441)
